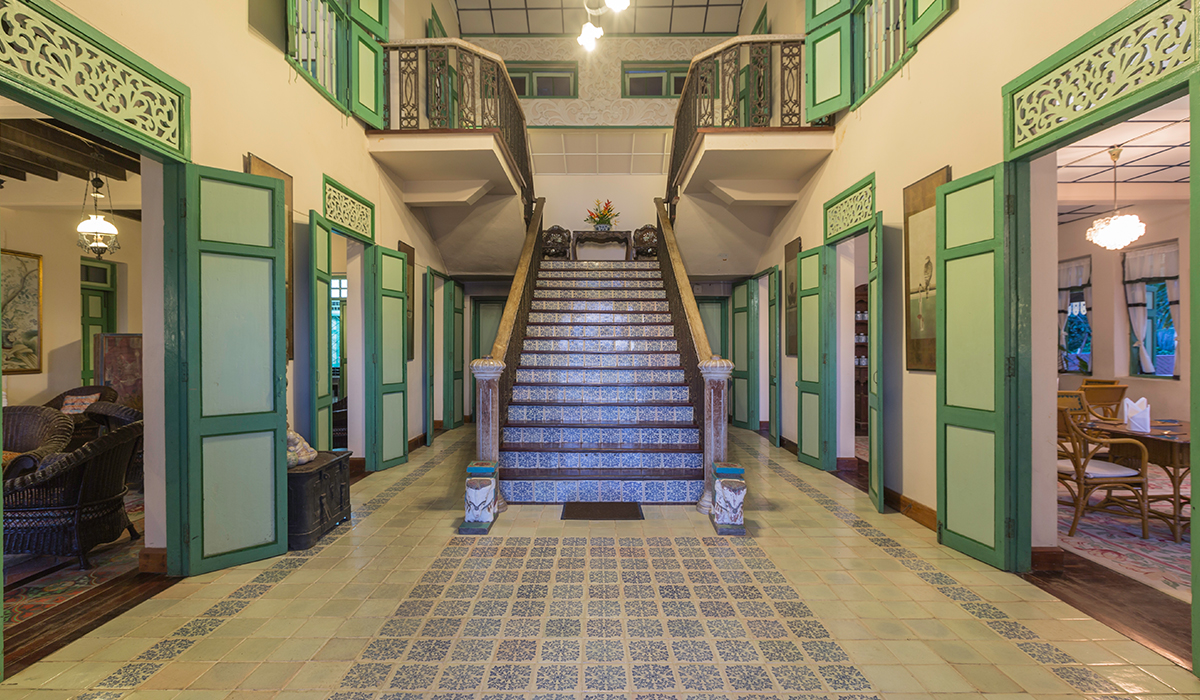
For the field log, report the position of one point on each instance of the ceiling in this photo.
(600, 151)
(476, 17)
(1155, 156)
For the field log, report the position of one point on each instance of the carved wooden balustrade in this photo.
(707, 374)
(748, 81)
(450, 84)
(495, 373)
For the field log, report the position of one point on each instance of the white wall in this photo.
(1165, 221)
(568, 197)
(50, 232)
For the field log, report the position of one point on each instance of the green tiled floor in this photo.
(826, 599)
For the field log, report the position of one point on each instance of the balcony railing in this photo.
(450, 84)
(748, 81)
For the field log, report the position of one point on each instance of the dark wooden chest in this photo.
(318, 498)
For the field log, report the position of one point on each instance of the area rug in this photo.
(52, 581)
(1114, 541)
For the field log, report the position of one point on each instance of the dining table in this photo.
(1169, 446)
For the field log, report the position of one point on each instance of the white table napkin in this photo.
(1137, 415)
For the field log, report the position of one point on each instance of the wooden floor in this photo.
(29, 641)
(857, 476)
(1144, 614)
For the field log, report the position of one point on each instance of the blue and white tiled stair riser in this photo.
(599, 387)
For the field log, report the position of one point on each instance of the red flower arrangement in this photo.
(604, 214)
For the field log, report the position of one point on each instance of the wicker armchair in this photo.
(34, 432)
(85, 429)
(111, 416)
(74, 502)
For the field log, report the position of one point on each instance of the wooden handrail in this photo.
(459, 44)
(691, 310)
(512, 307)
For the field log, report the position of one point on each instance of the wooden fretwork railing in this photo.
(707, 374)
(495, 373)
(451, 84)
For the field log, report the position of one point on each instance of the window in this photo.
(338, 288)
(544, 79)
(642, 79)
(333, 44)
(337, 291)
(1152, 299)
(1074, 324)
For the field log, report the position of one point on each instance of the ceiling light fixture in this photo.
(97, 236)
(590, 32)
(1118, 230)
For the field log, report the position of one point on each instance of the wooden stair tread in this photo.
(598, 323)
(598, 447)
(596, 384)
(602, 426)
(606, 403)
(661, 368)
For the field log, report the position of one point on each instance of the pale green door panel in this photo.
(815, 411)
(320, 332)
(743, 385)
(372, 15)
(367, 57)
(828, 69)
(391, 378)
(774, 410)
(976, 498)
(923, 15)
(428, 360)
(821, 12)
(453, 346)
(875, 412)
(227, 410)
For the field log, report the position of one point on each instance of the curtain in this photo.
(1149, 264)
(1072, 274)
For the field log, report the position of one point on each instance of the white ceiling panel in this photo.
(642, 17)
(549, 164)
(581, 165)
(600, 151)
(473, 5)
(580, 141)
(652, 20)
(615, 142)
(1155, 148)
(614, 164)
(508, 4)
(647, 165)
(688, 20)
(510, 21)
(545, 141)
(722, 19)
(475, 21)
(545, 22)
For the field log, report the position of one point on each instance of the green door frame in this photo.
(476, 351)
(748, 375)
(430, 313)
(106, 318)
(814, 374)
(454, 299)
(321, 350)
(389, 352)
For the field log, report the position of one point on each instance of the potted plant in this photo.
(603, 217)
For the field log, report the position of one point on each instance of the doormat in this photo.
(602, 511)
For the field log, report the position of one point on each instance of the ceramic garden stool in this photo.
(729, 497)
(480, 501)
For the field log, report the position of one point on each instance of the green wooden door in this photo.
(97, 317)
(427, 399)
(391, 349)
(320, 334)
(774, 292)
(974, 495)
(815, 418)
(230, 490)
(453, 354)
(875, 362)
(743, 388)
(485, 323)
(714, 312)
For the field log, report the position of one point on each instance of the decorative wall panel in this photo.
(599, 102)
(852, 208)
(350, 212)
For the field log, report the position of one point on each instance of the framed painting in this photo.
(920, 282)
(21, 311)
(790, 251)
(119, 365)
(254, 165)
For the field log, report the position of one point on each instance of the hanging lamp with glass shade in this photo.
(97, 235)
(1117, 230)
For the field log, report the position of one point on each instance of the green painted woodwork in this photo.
(320, 380)
(390, 352)
(775, 355)
(1193, 319)
(235, 489)
(968, 217)
(923, 15)
(970, 337)
(434, 29)
(453, 346)
(372, 15)
(236, 334)
(320, 56)
(62, 62)
(427, 356)
(813, 369)
(486, 313)
(860, 79)
(762, 26)
(828, 69)
(875, 365)
(714, 313)
(102, 269)
(744, 387)
(975, 280)
(850, 212)
(225, 304)
(367, 57)
(98, 315)
(1141, 54)
(235, 213)
(353, 214)
(447, 340)
(821, 12)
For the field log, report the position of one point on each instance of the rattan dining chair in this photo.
(1104, 400)
(1084, 470)
(1091, 381)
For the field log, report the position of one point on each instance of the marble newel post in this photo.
(716, 373)
(487, 416)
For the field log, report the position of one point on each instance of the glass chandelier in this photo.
(1118, 230)
(96, 235)
(589, 33)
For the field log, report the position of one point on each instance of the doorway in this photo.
(756, 344)
(852, 328)
(445, 353)
(486, 312)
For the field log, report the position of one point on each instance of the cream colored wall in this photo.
(939, 110)
(783, 16)
(50, 232)
(407, 18)
(1165, 221)
(568, 197)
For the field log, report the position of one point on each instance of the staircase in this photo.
(600, 408)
